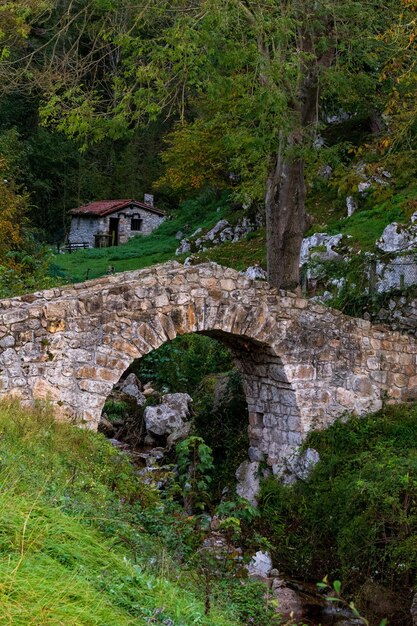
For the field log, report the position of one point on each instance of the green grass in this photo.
(240, 255)
(160, 246)
(366, 225)
(74, 549)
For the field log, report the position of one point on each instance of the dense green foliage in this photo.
(181, 364)
(221, 417)
(355, 518)
(195, 469)
(203, 367)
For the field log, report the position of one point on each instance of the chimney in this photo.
(148, 199)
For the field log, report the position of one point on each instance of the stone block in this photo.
(400, 380)
(345, 397)
(7, 342)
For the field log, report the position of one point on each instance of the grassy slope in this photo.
(364, 227)
(73, 549)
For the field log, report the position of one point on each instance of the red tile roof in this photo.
(105, 207)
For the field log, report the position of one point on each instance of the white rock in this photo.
(398, 272)
(227, 234)
(178, 435)
(247, 475)
(341, 116)
(131, 387)
(169, 416)
(325, 172)
(365, 186)
(260, 564)
(217, 228)
(256, 273)
(319, 240)
(242, 229)
(380, 181)
(351, 205)
(319, 142)
(396, 238)
(297, 466)
(184, 247)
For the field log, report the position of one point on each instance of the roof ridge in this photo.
(104, 207)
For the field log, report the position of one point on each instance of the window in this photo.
(136, 223)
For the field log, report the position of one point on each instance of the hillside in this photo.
(350, 242)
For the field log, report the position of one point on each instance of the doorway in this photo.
(114, 231)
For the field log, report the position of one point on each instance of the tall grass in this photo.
(72, 548)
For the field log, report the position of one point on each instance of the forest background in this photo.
(102, 99)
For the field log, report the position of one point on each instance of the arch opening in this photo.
(188, 387)
(248, 373)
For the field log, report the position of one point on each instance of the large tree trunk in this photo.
(286, 219)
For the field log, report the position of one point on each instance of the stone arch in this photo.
(274, 418)
(303, 364)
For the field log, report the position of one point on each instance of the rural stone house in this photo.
(111, 222)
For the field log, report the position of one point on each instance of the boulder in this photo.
(325, 172)
(247, 475)
(351, 205)
(365, 186)
(221, 232)
(242, 229)
(396, 273)
(260, 565)
(320, 246)
(216, 230)
(297, 467)
(290, 605)
(169, 416)
(178, 435)
(184, 247)
(397, 238)
(131, 387)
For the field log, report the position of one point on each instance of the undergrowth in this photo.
(355, 518)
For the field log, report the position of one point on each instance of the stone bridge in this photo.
(302, 364)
